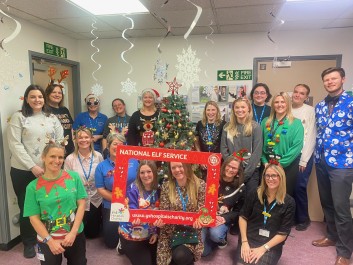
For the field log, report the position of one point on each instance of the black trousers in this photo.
(20, 180)
(291, 176)
(75, 255)
(181, 255)
(92, 221)
(139, 252)
(110, 230)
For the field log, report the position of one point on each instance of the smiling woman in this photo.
(28, 132)
(242, 133)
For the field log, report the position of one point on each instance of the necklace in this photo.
(273, 137)
(255, 113)
(94, 128)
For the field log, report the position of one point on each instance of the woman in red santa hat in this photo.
(142, 124)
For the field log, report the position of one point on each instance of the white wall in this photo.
(32, 38)
(234, 51)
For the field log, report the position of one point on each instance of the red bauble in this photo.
(168, 126)
(164, 110)
(177, 111)
(161, 144)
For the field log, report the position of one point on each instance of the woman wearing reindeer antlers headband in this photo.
(28, 132)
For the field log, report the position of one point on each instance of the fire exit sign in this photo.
(232, 75)
(54, 50)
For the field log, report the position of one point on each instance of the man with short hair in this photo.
(306, 114)
(334, 163)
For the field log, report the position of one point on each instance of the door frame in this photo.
(76, 90)
(337, 57)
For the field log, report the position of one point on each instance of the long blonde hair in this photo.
(218, 117)
(289, 114)
(281, 191)
(192, 185)
(231, 127)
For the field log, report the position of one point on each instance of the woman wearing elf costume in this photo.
(265, 220)
(180, 244)
(84, 161)
(55, 205)
(142, 124)
(242, 135)
(231, 198)
(283, 138)
(137, 237)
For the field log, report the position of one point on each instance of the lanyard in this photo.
(209, 136)
(255, 113)
(151, 195)
(267, 214)
(184, 202)
(83, 169)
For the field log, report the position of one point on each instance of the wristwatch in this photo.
(45, 240)
(267, 247)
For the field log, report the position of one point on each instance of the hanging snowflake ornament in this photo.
(160, 71)
(128, 86)
(97, 89)
(188, 67)
(208, 90)
(173, 86)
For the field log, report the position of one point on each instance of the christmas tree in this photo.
(174, 128)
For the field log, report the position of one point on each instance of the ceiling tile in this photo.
(340, 23)
(51, 26)
(185, 18)
(80, 24)
(246, 15)
(141, 21)
(226, 29)
(232, 3)
(175, 5)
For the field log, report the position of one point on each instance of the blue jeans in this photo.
(335, 188)
(300, 193)
(213, 235)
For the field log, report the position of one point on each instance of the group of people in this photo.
(63, 171)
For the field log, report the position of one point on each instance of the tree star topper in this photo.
(173, 86)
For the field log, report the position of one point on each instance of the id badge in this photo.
(40, 255)
(264, 232)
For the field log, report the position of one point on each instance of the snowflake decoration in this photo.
(188, 66)
(173, 86)
(128, 87)
(160, 71)
(207, 90)
(97, 89)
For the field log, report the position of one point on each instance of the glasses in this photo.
(89, 103)
(232, 168)
(272, 176)
(260, 93)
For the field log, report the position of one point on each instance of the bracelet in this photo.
(45, 240)
(244, 241)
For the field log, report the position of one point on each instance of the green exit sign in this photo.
(54, 50)
(232, 75)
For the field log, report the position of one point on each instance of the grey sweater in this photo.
(27, 137)
(252, 143)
